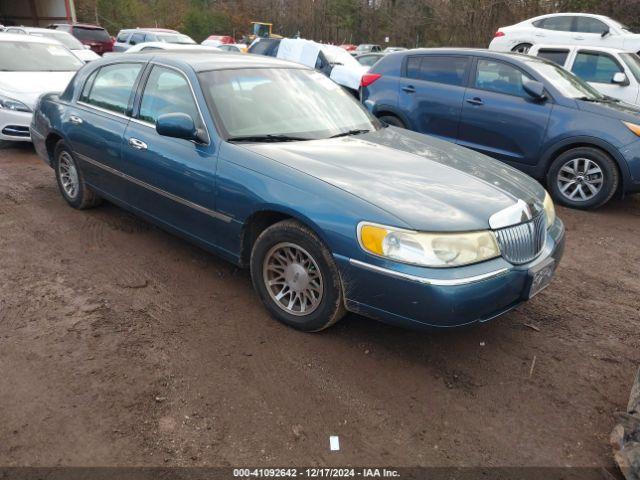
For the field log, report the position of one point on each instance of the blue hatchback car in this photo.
(276, 168)
(525, 111)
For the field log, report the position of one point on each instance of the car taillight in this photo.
(369, 78)
(498, 34)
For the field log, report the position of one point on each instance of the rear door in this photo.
(174, 179)
(557, 29)
(499, 118)
(432, 92)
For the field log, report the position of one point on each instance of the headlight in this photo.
(549, 209)
(633, 127)
(11, 104)
(428, 249)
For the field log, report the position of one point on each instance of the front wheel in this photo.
(583, 177)
(296, 277)
(392, 120)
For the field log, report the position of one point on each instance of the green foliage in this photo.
(199, 23)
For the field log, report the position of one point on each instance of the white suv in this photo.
(565, 29)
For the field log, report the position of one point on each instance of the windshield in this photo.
(291, 102)
(567, 83)
(91, 34)
(37, 57)
(624, 27)
(175, 38)
(64, 38)
(633, 62)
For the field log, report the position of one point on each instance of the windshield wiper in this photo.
(267, 138)
(355, 131)
(590, 99)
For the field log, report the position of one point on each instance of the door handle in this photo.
(137, 144)
(475, 101)
(409, 89)
(75, 119)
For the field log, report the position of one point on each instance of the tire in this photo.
(522, 48)
(288, 253)
(392, 120)
(570, 185)
(69, 175)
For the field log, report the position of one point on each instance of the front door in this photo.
(499, 118)
(174, 178)
(598, 68)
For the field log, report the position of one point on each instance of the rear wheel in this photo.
(583, 177)
(296, 277)
(522, 48)
(392, 120)
(70, 179)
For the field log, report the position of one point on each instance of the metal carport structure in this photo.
(36, 12)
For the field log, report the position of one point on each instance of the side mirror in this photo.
(534, 89)
(620, 78)
(177, 125)
(605, 32)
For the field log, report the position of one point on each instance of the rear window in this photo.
(122, 37)
(85, 34)
(450, 70)
(558, 56)
(265, 48)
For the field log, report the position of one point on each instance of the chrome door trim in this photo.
(429, 281)
(103, 110)
(159, 191)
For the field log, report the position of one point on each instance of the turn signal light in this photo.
(498, 34)
(369, 78)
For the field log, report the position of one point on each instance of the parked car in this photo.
(233, 48)
(369, 59)
(566, 29)
(83, 52)
(611, 71)
(366, 48)
(525, 111)
(94, 36)
(131, 37)
(216, 40)
(155, 46)
(31, 66)
(332, 61)
(329, 210)
(393, 49)
(349, 47)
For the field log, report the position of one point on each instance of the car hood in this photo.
(26, 87)
(428, 184)
(86, 55)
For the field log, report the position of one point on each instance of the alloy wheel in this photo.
(580, 179)
(68, 175)
(293, 279)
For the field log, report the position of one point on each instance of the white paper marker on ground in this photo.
(334, 443)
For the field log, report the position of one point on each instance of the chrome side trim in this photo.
(102, 110)
(428, 281)
(170, 196)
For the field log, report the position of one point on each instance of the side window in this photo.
(595, 67)
(136, 38)
(122, 37)
(556, 55)
(84, 96)
(413, 67)
(562, 23)
(590, 25)
(149, 37)
(499, 77)
(440, 69)
(167, 91)
(112, 86)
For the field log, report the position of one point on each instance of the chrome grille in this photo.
(524, 242)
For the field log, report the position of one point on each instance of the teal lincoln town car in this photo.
(274, 167)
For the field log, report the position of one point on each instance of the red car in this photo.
(96, 37)
(349, 47)
(223, 39)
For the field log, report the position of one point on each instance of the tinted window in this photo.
(595, 67)
(265, 47)
(136, 38)
(91, 34)
(438, 68)
(561, 23)
(113, 85)
(558, 56)
(590, 25)
(167, 91)
(122, 37)
(499, 77)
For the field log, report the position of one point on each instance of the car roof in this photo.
(174, 46)
(582, 47)
(21, 37)
(81, 25)
(150, 29)
(569, 14)
(202, 61)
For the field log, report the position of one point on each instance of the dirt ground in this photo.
(123, 345)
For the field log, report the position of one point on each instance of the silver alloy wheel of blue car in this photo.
(580, 179)
(68, 175)
(292, 278)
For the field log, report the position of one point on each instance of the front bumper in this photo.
(456, 297)
(14, 126)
